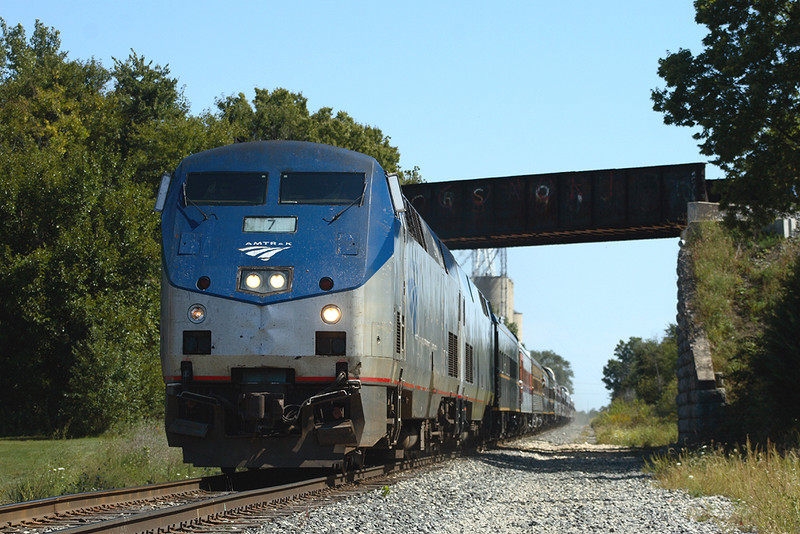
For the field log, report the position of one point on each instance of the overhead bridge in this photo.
(569, 207)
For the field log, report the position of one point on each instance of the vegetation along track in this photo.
(192, 504)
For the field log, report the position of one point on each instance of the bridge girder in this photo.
(555, 208)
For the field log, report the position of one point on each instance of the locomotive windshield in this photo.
(226, 188)
(321, 187)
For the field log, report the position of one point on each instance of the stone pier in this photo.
(701, 397)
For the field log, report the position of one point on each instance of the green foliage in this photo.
(82, 148)
(558, 364)
(512, 327)
(746, 300)
(645, 370)
(634, 424)
(281, 114)
(737, 280)
(65, 252)
(133, 455)
(643, 384)
(766, 399)
(778, 364)
(411, 177)
(742, 93)
(765, 483)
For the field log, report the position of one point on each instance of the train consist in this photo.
(309, 315)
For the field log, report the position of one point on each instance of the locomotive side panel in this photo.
(450, 343)
(478, 350)
(428, 321)
(526, 379)
(507, 355)
(538, 390)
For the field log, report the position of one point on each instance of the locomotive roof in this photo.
(280, 150)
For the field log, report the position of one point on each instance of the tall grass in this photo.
(737, 280)
(747, 301)
(634, 424)
(130, 456)
(764, 482)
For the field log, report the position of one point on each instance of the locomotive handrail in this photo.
(328, 397)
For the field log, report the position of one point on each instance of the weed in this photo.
(634, 424)
(131, 456)
(764, 482)
(737, 281)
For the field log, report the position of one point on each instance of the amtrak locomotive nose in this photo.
(266, 249)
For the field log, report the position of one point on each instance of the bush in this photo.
(768, 399)
(634, 424)
(738, 280)
(748, 303)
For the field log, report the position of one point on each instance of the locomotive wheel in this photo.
(352, 461)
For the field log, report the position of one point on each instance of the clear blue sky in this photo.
(465, 89)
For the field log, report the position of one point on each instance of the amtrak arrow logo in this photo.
(263, 253)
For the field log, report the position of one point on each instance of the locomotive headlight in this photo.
(265, 280)
(253, 281)
(277, 281)
(197, 313)
(331, 314)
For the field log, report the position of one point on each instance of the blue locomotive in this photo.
(309, 315)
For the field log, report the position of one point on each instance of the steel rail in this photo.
(179, 516)
(187, 514)
(12, 514)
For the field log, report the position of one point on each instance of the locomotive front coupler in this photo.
(346, 387)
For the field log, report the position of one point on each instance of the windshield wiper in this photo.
(187, 201)
(353, 203)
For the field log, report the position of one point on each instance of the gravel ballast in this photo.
(545, 484)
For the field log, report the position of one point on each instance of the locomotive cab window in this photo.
(226, 188)
(322, 187)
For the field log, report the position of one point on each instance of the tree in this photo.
(49, 107)
(777, 363)
(79, 254)
(281, 114)
(411, 177)
(618, 369)
(560, 366)
(644, 369)
(743, 93)
(82, 149)
(764, 400)
(512, 327)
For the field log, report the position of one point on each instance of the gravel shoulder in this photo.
(555, 482)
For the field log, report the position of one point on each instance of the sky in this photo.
(464, 89)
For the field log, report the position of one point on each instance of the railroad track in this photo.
(197, 505)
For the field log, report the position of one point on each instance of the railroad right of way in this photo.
(541, 484)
